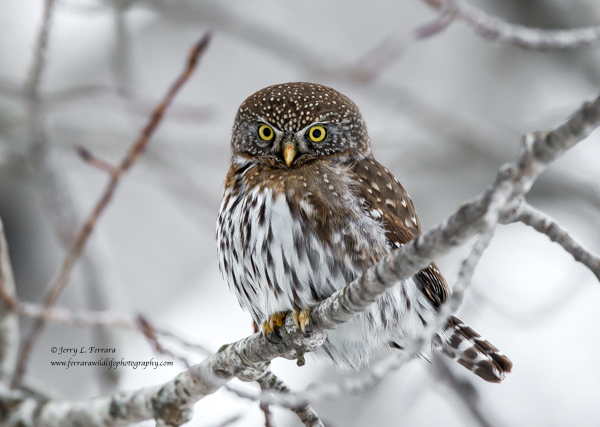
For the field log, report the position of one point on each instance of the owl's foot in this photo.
(302, 319)
(270, 329)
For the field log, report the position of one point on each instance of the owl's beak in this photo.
(289, 153)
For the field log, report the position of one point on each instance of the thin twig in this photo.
(85, 318)
(38, 137)
(276, 392)
(308, 416)
(374, 62)
(544, 224)
(269, 420)
(182, 342)
(88, 157)
(37, 66)
(496, 29)
(37, 134)
(130, 159)
(151, 334)
(447, 15)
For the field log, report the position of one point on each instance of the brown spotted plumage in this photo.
(306, 209)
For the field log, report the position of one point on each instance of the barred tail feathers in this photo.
(475, 353)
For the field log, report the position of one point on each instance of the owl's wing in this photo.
(386, 200)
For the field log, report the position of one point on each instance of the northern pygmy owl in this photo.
(307, 208)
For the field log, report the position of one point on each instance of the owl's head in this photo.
(290, 124)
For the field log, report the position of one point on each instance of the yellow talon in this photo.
(277, 319)
(302, 319)
(270, 328)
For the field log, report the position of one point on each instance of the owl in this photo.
(306, 209)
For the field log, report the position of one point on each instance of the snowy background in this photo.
(443, 114)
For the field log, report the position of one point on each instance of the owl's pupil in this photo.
(267, 132)
(317, 133)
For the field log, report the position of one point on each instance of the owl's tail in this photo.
(475, 353)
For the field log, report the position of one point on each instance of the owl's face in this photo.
(291, 124)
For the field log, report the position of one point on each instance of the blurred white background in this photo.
(443, 114)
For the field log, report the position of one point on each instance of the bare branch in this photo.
(86, 318)
(96, 162)
(130, 159)
(544, 224)
(9, 323)
(170, 404)
(372, 64)
(276, 392)
(37, 66)
(269, 420)
(182, 342)
(305, 412)
(496, 29)
(34, 117)
(151, 334)
(447, 15)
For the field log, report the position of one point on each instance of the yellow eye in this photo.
(265, 132)
(317, 133)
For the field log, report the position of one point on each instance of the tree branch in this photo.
(545, 225)
(171, 403)
(493, 28)
(85, 318)
(270, 382)
(32, 85)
